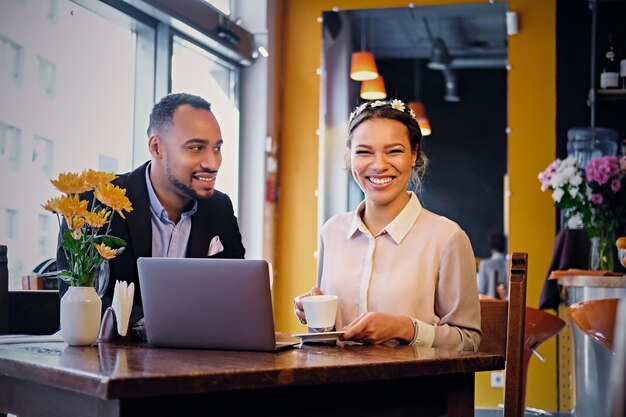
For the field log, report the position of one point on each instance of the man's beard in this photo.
(187, 190)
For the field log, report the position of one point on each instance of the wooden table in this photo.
(52, 379)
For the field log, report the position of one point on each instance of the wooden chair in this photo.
(26, 312)
(502, 324)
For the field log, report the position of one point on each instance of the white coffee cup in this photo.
(320, 311)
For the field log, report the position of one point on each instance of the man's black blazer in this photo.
(213, 217)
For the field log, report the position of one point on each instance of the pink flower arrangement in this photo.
(595, 195)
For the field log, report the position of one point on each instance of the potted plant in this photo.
(88, 202)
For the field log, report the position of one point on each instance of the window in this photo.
(107, 163)
(89, 73)
(52, 10)
(77, 73)
(47, 76)
(10, 145)
(196, 71)
(11, 60)
(43, 242)
(11, 223)
(42, 155)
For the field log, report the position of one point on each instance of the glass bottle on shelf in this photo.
(609, 77)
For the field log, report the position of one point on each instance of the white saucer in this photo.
(318, 337)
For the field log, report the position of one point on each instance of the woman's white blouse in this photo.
(420, 265)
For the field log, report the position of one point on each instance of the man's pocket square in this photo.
(215, 246)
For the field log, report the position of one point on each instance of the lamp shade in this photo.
(424, 126)
(363, 66)
(373, 89)
(420, 115)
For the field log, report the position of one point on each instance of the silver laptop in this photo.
(208, 303)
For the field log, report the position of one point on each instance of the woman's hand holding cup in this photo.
(297, 303)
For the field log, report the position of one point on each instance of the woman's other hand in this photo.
(297, 303)
(378, 327)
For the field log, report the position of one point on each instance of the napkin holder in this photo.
(108, 329)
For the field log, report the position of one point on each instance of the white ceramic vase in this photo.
(80, 316)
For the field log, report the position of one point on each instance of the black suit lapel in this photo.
(138, 220)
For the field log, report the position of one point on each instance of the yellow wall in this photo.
(532, 101)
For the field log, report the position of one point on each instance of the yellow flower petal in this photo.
(114, 197)
(95, 179)
(71, 206)
(97, 219)
(70, 183)
(74, 223)
(52, 204)
(105, 251)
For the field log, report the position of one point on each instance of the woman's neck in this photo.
(377, 216)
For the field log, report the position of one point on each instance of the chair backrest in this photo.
(502, 324)
(26, 312)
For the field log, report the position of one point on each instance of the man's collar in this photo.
(397, 228)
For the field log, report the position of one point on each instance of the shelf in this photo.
(617, 94)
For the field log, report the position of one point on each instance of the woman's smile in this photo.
(380, 180)
(382, 161)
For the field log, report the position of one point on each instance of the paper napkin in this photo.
(122, 304)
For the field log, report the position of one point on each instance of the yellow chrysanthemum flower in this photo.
(52, 204)
(97, 219)
(70, 183)
(71, 206)
(74, 223)
(95, 179)
(105, 251)
(114, 197)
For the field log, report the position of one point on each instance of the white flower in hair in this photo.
(378, 103)
(412, 113)
(357, 111)
(397, 104)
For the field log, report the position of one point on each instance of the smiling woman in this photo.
(399, 271)
(403, 41)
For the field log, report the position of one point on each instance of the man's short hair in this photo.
(163, 111)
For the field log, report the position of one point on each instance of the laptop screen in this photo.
(207, 303)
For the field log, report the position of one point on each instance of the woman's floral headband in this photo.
(394, 104)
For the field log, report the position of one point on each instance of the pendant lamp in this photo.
(363, 66)
(420, 114)
(373, 89)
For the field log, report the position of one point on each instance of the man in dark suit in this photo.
(176, 210)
